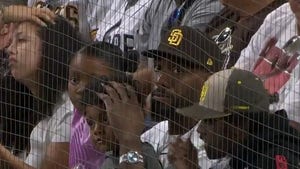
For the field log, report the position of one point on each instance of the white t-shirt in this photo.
(56, 128)
(158, 136)
(281, 23)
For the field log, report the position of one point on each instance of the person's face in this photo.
(220, 137)
(101, 132)
(82, 70)
(213, 134)
(295, 7)
(177, 86)
(25, 52)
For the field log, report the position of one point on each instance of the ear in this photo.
(4, 30)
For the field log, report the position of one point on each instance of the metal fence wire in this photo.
(155, 84)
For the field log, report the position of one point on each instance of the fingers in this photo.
(51, 14)
(124, 92)
(46, 16)
(108, 105)
(112, 93)
(106, 99)
(38, 21)
(131, 93)
(43, 15)
(120, 88)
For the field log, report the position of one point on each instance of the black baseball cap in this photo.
(191, 45)
(229, 91)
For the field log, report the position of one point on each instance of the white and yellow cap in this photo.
(229, 91)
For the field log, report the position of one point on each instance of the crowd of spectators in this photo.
(154, 84)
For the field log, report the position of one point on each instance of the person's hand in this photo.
(124, 113)
(17, 13)
(144, 79)
(183, 154)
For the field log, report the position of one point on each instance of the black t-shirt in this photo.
(17, 114)
(275, 145)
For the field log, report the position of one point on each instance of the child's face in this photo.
(101, 132)
(82, 70)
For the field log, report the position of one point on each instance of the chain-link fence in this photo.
(170, 84)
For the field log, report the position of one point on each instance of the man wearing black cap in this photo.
(234, 109)
(183, 61)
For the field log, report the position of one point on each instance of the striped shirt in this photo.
(82, 151)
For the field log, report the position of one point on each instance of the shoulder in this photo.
(158, 6)
(63, 111)
(157, 135)
(59, 125)
(280, 14)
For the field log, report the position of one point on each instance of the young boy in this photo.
(105, 135)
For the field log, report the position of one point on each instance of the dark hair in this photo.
(109, 53)
(17, 115)
(113, 57)
(59, 43)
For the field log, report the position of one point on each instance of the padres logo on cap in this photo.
(203, 92)
(209, 62)
(175, 37)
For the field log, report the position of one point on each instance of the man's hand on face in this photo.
(183, 154)
(125, 114)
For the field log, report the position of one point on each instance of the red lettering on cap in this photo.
(281, 162)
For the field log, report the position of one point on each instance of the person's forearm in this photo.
(12, 160)
(130, 145)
